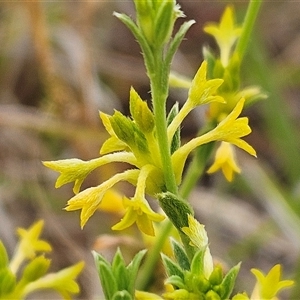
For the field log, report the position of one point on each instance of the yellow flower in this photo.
(89, 200)
(230, 130)
(202, 91)
(226, 33)
(64, 281)
(29, 244)
(225, 160)
(112, 202)
(269, 285)
(198, 236)
(77, 170)
(139, 211)
(70, 170)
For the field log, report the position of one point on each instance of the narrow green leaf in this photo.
(229, 281)
(176, 138)
(177, 40)
(121, 276)
(197, 264)
(117, 260)
(133, 268)
(171, 267)
(164, 22)
(180, 255)
(107, 279)
(7, 282)
(106, 275)
(3, 256)
(176, 281)
(147, 51)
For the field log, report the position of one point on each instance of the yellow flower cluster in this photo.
(133, 141)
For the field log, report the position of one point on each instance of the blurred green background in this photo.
(62, 62)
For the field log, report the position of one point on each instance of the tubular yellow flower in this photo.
(70, 170)
(29, 244)
(64, 281)
(139, 211)
(202, 91)
(226, 33)
(89, 200)
(77, 170)
(230, 130)
(268, 286)
(112, 202)
(225, 160)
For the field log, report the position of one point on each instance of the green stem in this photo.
(147, 270)
(252, 12)
(159, 90)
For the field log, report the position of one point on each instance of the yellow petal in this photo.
(112, 202)
(225, 161)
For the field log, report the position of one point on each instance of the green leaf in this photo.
(119, 270)
(197, 264)
(177, 40)
(7, 282)
(133, 268)
(229, 281)
(171, 267)
(122, 295)
(108, 281)
(3, 256)
(180, 255)
(164, 22)
(148, 55)
(106, 275)
(176, 281)
(176, 138)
